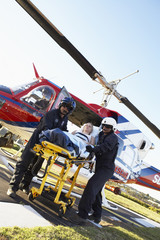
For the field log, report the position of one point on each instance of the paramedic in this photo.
(56, 118)
(105, 152)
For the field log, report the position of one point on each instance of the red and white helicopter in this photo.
(20, 112)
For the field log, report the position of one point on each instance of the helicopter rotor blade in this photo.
(63, 42)
(150, 125)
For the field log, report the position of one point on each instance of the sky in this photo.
(117, 37)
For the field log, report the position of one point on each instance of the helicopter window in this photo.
(31, 110)
(120, 146)
(40, 98)
(143, 144)
(129, 156)
(63, 93)
(18, 89)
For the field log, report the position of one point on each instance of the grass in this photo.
(133, 206)
(80, 233)
(111, 229)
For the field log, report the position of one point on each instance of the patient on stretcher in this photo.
(74, 142)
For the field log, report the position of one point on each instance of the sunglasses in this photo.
(68, 106)
(106, 125)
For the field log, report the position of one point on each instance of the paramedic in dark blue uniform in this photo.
(56, 118)
(105, 152)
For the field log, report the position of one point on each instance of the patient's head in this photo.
(87, 128)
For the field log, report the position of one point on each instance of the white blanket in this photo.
(80, 143)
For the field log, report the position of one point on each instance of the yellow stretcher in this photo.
(50, 152)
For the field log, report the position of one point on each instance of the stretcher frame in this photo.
(50, 152)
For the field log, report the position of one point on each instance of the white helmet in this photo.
(109, 121)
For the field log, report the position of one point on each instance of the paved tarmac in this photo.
(22, 212)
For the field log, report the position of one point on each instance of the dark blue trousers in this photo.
(23, 164)
(92, 198)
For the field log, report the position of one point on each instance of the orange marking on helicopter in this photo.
(121, 172)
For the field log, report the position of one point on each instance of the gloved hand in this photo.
(89, 148)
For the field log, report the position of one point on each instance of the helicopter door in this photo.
(129, 156)
(124, 163)
(62, 94)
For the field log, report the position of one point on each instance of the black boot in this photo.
(95, 219)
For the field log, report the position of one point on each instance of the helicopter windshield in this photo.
(20, 88)
(40, 97)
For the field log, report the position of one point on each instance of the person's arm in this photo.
(74, 132)
(109, 143)
(64, 127)
(47, 121)
(92, 141)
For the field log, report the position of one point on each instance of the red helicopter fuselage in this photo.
(21, 112)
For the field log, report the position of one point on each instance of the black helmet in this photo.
(69, 103)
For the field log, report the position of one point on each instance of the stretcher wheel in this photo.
(62, 210)
(30, 196)
(69, 202)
